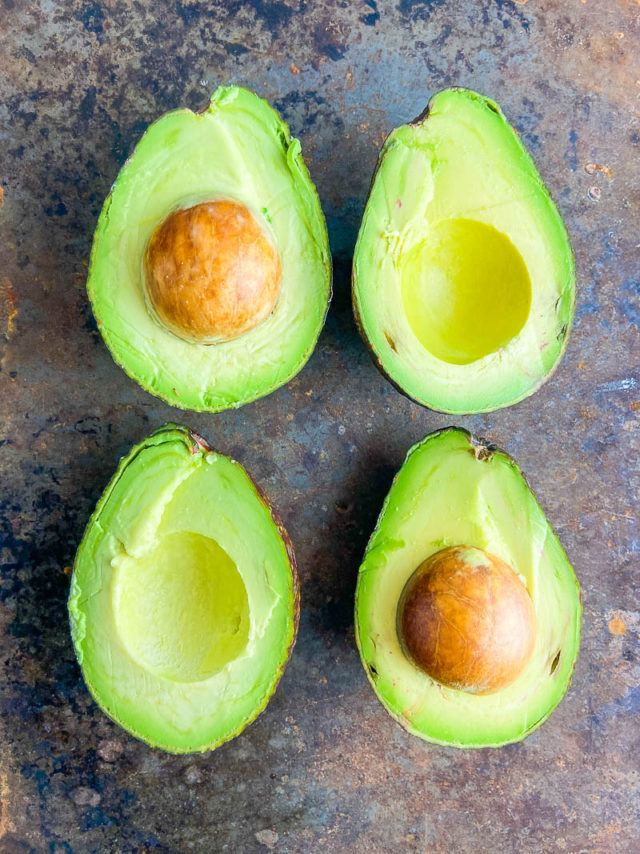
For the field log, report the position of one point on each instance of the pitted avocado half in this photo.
(468, 612)
(210, 271)
(463, 275)
(184, 597)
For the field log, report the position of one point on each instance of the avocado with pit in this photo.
(210, 272)
(463, 274)
(468, 612)
(184, 601)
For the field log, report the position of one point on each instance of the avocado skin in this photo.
(483, 450)
(171, 396)
(195, 443)
(374, 356)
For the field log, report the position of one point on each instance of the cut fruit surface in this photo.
(184, 595)
(463, 275)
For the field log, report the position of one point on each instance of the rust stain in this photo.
(294, 68)
(617, 626)
(635, 406)
(608, 65)
(592, 168)
(6, 825)
(8, 309)
(1, 197)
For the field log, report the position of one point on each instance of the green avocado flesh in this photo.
(453, 490)
(463, 275)
(184, 596)
(240, 149)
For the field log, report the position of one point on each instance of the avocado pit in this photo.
(211, 272)
(466, 619)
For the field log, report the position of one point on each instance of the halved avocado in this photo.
(456, 496)
(184, 600)
(237, 152)
(463, 275)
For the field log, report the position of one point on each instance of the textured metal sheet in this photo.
(324, 769)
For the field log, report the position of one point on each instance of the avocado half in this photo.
(240, 149)
(463, 274)
(184, 600)
(456, 490)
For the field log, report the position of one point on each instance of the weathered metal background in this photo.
(324, 769)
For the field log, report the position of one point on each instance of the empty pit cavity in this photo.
(466, 291)
(181, 612)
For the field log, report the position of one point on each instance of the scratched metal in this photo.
(324, 769)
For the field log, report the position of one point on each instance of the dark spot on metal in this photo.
(513, 10)
(89, 426)
(57, 208)
(461, 58)
(28, 54)
(123, 143)
(327, 47)
(300, 109)
(571, 154)
(275, 16)
(444, 35)
(555, 662)
(310, 461)
(96, 817)
(418, 9)
(373, 17)
(27, 118)
(91, 17)
(344, 507)
(88, 104)
(189, 13)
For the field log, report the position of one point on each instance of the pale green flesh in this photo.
(463, 272)
(444, 495)
(238, 148)
(182, 599)
(182, 610)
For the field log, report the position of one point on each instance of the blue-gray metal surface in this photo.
(324, 769)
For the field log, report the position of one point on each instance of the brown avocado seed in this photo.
(466, 619)
(211, 272)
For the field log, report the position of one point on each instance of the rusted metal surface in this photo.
(324, 769)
